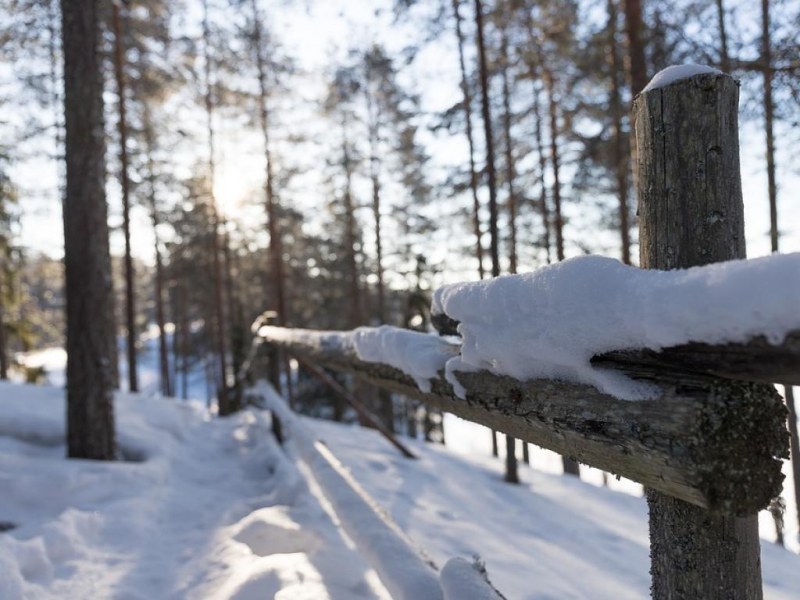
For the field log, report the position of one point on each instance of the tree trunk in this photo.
(122, 128)
(3, 342)
(558, 221)
(511, 463)
(724, 58)
(769, 112)
(570, 466)
(693, 554)
(89, 295)
(621, 153)
(374, 176)
(350, 234)
(235, 327)
(55, 90)
(634, 30)
(540, 150)
(635, 63)
(541, 153)
(163, 356)
(382, 404)
(219, 311)
(473, 175)
(487, 129)
(511, 475)
(186, 333)
(177, 356)
(795, 446)
(275, 235)
(411, 418)
(509, 152)
(373, 134)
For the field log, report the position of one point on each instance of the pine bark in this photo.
(185, 340)
(219, 311)
(124, 179)
(486, 114)
(350, 233)
(795, 446)
(511, 172)
(724, 57)
(769, 127)
(275, 251)
(691, 213)
(570, 466)
(3, 337)
(165, 383)
(621, 152)
(555, 161)
(491, 174)
(473, 174)
(375, 179)
(235, 327)
(634, 31)
(511, 475)
(540, 149)
(89, 294)
(544, 210)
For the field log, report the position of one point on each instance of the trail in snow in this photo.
(214, 510)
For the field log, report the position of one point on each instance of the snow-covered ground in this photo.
(213, 508)
(550, 537)
(210, 509)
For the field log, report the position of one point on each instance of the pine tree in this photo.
(90, 313)
(124, 179)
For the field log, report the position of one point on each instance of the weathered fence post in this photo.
(691, 213)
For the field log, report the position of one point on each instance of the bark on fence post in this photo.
(691, 213)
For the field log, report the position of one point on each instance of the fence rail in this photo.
(756, 360)
(693, 442)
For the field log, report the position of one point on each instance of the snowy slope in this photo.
(212, 510)
(551, 537)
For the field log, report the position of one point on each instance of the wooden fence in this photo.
(708, 449)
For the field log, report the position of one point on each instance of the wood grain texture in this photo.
(691, 213)
(90, 343)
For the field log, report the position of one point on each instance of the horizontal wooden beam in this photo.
(757, 360)
(711, 442)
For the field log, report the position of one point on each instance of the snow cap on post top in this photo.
(677, 72)
(687, 144)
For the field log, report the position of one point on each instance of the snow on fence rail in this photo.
(707, 439)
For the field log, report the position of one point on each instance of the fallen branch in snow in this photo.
(357, 406)
(713, 443)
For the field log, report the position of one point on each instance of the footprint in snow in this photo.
(272, 530)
